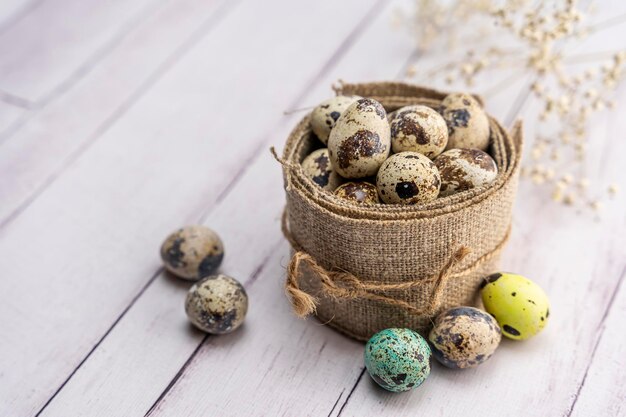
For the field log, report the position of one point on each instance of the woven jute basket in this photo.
(364, 268)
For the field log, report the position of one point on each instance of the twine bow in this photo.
(344, 285)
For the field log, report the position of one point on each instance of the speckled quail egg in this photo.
(192, 252)
(468, 125)
(418, 129)
(360, 141)
(359, 192)
(398, 359)
(217, 304)
(318, 168)
(408, 178)
(464, 169)
(519, 305)
(464, 337)
(325, 115)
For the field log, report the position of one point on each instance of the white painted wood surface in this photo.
(120, 121)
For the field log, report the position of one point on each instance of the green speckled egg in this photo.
(519, 305)
(464, 337)
(398, 359)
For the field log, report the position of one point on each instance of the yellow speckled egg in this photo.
(360, 141)
(519, 305)
(468, 125)
(408, 178)
(418, 129)
(318, 168)
(358, 192)
(325, 115)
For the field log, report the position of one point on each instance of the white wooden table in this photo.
(122, 120)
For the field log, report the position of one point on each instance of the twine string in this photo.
(339, 284)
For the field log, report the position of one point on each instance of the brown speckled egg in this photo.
(217, 304)
(192, 252)
(408, 178)
(464, 337)
(360, 141)
(318, 168)
(464, 169)
(468, 125)
(419, 129)
(325, 115)
(359, 192)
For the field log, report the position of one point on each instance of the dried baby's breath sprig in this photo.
(570, 87)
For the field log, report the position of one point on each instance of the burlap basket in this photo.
(362, 269)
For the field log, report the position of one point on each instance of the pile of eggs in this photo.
(461, 337)
(412, 155)
(216, 303)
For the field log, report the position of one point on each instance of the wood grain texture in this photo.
(9, 113)
(61, 40)
(96, 206)
(171, 126)
(53, 137)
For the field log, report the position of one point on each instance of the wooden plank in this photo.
(58, 41)
(37, 153)
(154, 169)
(8, 115)
(157, 319)
(253, 377)
(579, 267)
(12, 11)
(603, 387)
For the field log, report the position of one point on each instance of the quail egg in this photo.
(360, 141)
(408, 178)
(217, 304)
(398, 359)
(359, 192)
(464, 337)
(468, 124)
(192, 252)
(464, 169)
(519, 305)
(418, 129)
(325, 115)
(317, 167)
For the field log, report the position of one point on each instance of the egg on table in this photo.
(217, 304)
(519, 305)
(408, 178)
(360, 141)
(192, 252)
(398, 359)
(359, 192)
(318, 168)
(468, 124)
(418, 129)
(464, 169)
(325, 115)
(464, 337)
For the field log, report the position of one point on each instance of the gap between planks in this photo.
(339, 52)
(75, 75)
(203, 30)
(598, 337)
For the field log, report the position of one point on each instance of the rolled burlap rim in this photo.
(363, 268)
